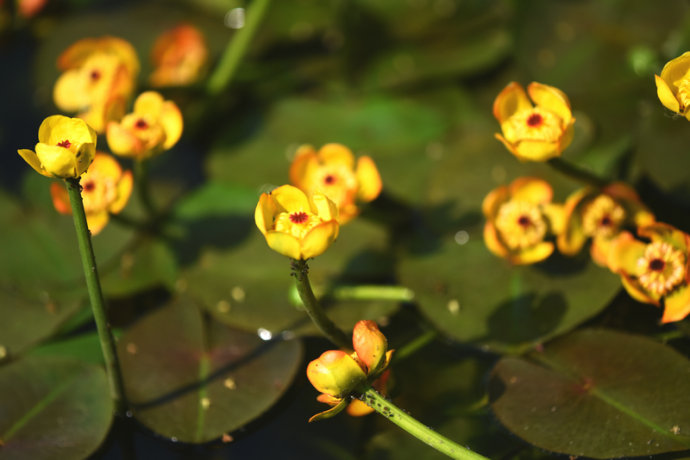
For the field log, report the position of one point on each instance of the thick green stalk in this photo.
(300, 270)
(577, 173)
(417, 429)
(93, 285)
(237, 48)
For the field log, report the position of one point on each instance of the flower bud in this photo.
(335, 373)
(370, 345)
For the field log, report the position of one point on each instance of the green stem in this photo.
(141, 177)
(412, 347)
(577, 173)
(417, 429)
(237, 48)
(300, 270)
(371, 292)
(93, 285)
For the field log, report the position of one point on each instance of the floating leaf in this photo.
(596, 393)
(194, 380)
(52, 407)
(474, 296)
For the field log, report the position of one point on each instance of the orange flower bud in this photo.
(335, 373)
(370, 345)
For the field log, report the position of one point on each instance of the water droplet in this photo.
(223, 306)
(238, 294)
(234, 18)
(453, 306)
(264, 334)
(226, 438)
(205, 403)
(462, 237)
(229, 383)
(3, 351)
(129, 414)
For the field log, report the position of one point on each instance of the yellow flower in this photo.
(534, 133)
(519, 218)
(600, 214)
(655, 270)
(153, 127)
(105, 190)
(673, 86)
(65, 149)
(98, 80)
(179, 56)
(335, 373)
(332, 171)
(295, 225)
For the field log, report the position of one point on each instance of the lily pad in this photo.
(52, 407)
(193, 379)
(596, 393)
(474, 296)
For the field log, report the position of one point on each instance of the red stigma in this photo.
(66, 144)
(95, 75)
(141, 124)
(656, 265)
(329, 179)
(606, 221)
(524, 221)
(298, 217)
(534, 120)
(88, 186)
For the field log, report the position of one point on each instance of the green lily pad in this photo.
(474, 296)
(194, 380)
(596, 393)
(52, 407)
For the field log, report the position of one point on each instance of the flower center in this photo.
(683, 91)
(329, 179)
(299, 217)
(534, 120)
(88, 186)
(520, 224)
(534, 124)
(141, 124)
(602, 217)
(661, 268)
(95, 75)
(66, 144)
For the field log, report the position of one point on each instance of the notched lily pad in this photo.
(596, 393)
(52, 407)
(193, 379)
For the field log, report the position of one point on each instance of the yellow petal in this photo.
(58, 128)
(291, 199)
(555, 214)
(69, 93)
(335, 410)
(326, 209)
(60, 198)
(337, 154)
(551, 99)
(57, 161)
(304, 163)
(30, 157)
(97, 221)
(571, 240)
(318, 239)
(492, 242)
(124, 190)
(677, 305)
(675, 69)
(284, 243)
(357, 408)
(171, 120)
(531, 190)
(637, 292)
(667, 233)
(624, 253)
(533, 150)
(494, 200)
(511, 100)
(264, 213)
(121, 141)
(149, 103)
(600, 250)
(666, 96)
(368, 178)
(532, 255)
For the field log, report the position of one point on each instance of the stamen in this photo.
(520, 224)
(88, 186)
(602, 217)
(661, 268)
(534, 120)
(329, 179)
(299, 217)
(141, 124)
(95, 75)
(66, 144)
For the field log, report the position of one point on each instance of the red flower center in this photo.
(534, 120)
(66, 144)
(656, 265)
(141, 124)
(95, 75)
(88, 186)
(329, 179)
(524, 221)
(298, 217)
(606, 221)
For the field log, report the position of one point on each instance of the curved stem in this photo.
(577, 173)
(237, 48)
(412, 347)
(300, 270)
(93, 285)
(417, 429)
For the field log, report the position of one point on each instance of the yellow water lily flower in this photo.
(656, 270)
(600, 214)
(179, 56)
(333, 171)
(105, 190)
(673, 86)
(153, 127)
(295, 225)
(99, 76)
(66, 147)
(534, 132)
(519, 219)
